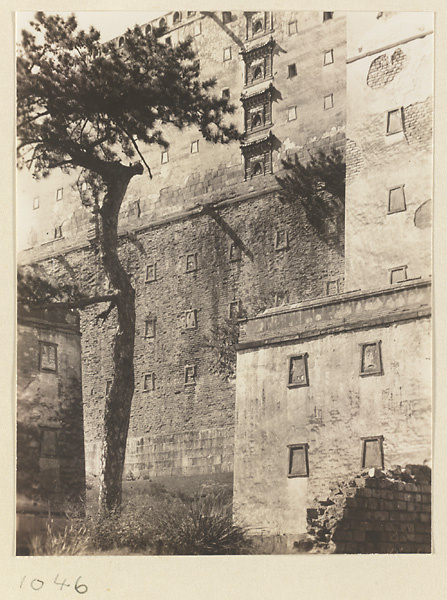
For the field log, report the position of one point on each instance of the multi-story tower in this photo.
(207, 239)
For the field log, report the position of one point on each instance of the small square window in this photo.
(151, 272)
(292, 70)
(191, 262)
(197, 28)
(328, 101)
(328, 57)
(298, 460)
(49, 442)
(58, 232)
(372, 452)
(291, 113)
(398, 274)
(281, 239)
(108, 386)
(190, 375)
(396, 199)
(370, 359)
(332, 287)
(191, 319)
(298, 375)
(293, 27)
(394, 121)
(194, 147)
(327, 16)
(36, 203)
(227, 54)
(226, 93)
(164, 157)
(60, 194)
(234, 309)
(48, 357)
(148, 382)
(235, 252)
(226, 17)
(149, 328)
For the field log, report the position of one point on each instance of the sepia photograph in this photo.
(224, 283)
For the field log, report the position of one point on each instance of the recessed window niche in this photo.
(148, 382)
(328, 57)
(191, 262)
(297, 371)
(398, 274)
(191, 319)
(48, 357)
(370, 358)
(190, 375)
(298, 460)
(394, 122)
(329, 101)
(151, 272)
(396, 199)
(372, 452)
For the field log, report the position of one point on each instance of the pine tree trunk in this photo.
(119, 399)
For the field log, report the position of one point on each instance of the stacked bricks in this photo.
(375, 514)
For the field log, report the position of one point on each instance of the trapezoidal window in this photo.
(291, 113)
(227, 54)
(49, 442)
(297, 371)
(148, 382)
(226, 93)
(151, 273)
(164, 157)
(234, 309)
(191, 263)
(293, 27)
(370, 359)
(291, 69)
(398, 274)
(328, 102)
(234, 252)
(149, 328)
(36, 203)
(372, 452)
(60, 194)
(190, 375)
(328, 57)
(226, 17)
(48, 357)
(194, 147)
(394, 122)
(396, 199)
(191, 319)
(281, 239)
(327, 16)
(298, 460)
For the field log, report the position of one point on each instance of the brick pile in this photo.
(375, 512)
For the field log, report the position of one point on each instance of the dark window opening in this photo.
(258, 72)
(148, 29)
(226, 93)
(327, 16)
(121, 42)
(226, 17)
(298, 374)
(177, 17)
(292, 70)
(258, 26)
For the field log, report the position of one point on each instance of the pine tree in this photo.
(94, 108)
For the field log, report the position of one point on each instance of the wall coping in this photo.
(293, 330)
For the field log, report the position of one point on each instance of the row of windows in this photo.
(281, 242)
(370, 364)
(371, 456)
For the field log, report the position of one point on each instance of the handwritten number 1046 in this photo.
(37, 584)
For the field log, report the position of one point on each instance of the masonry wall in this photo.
(389, 68)
(50, 438)
(216, 172)
(337, 408)
(262, 276)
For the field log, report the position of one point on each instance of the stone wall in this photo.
(337, 406)
(50, 438)
(261, 275)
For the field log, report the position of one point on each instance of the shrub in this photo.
(74, 539)
(203, 526)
